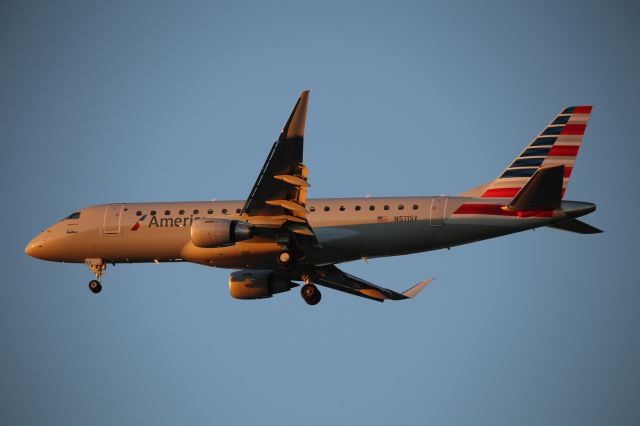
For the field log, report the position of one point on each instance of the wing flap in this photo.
(293, 180)
(286, 204)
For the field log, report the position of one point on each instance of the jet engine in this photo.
(211, 233)
(257, 284)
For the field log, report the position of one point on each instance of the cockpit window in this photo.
(75, 215)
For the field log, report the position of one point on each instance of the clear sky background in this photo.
(168, 101)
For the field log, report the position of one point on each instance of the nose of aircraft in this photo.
(34, 248)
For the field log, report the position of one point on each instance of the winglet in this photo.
(413, 291)
(295, 124)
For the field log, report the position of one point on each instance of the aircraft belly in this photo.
(461, 231)
(344, 243)
(389, 239)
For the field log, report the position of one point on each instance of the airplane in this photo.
(277, 237)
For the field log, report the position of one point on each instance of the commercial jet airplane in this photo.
(277, 236)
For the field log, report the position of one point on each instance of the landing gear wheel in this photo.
(285, 259)
(95, 286)
(310, 294)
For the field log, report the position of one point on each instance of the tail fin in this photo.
(556, 145)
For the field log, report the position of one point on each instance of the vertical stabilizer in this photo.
(556, 145)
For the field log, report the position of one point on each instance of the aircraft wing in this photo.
(332, 277)
(280, 189)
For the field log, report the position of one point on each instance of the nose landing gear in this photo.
(310, 294)
(97, 267)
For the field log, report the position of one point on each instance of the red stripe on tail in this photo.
(497, 210)
(567, 171)
(563, 151)
(501, 193)
(573, 129)
(582, 110)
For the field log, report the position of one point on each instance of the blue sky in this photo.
(149, 101)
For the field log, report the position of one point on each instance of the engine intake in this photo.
(257, 284)
(211, 233)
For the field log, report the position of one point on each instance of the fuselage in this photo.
(346, 229)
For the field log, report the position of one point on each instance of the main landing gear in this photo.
(95, 286)
(97, 267)
(310, 294)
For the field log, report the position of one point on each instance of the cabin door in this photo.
(112, 218)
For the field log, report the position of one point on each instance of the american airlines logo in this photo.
(137, 224)
(165, 222)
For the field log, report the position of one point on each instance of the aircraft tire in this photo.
(310, 294)
(95, 286)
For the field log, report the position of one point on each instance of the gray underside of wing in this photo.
(332, 277)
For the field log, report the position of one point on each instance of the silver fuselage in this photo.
(346, 229)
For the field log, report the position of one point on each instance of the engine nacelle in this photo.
(257, 284)
(211, 233)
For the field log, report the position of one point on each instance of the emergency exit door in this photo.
(438, 211)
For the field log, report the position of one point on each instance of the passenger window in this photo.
(196, 211)
(386, 207)
(238, 210)
(181, 212)
(341, 208)
(138, 213)
(372, 208)
(225, 211)
(167, 212)
(153, 212)
(415, 207)
(327, 208)
(400, 207)
(312, 209)
(210, 211)
(358, 208)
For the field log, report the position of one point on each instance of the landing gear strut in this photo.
(310, 294)
(97, 267)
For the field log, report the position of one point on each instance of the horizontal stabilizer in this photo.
(542, 192)
(577, 226)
